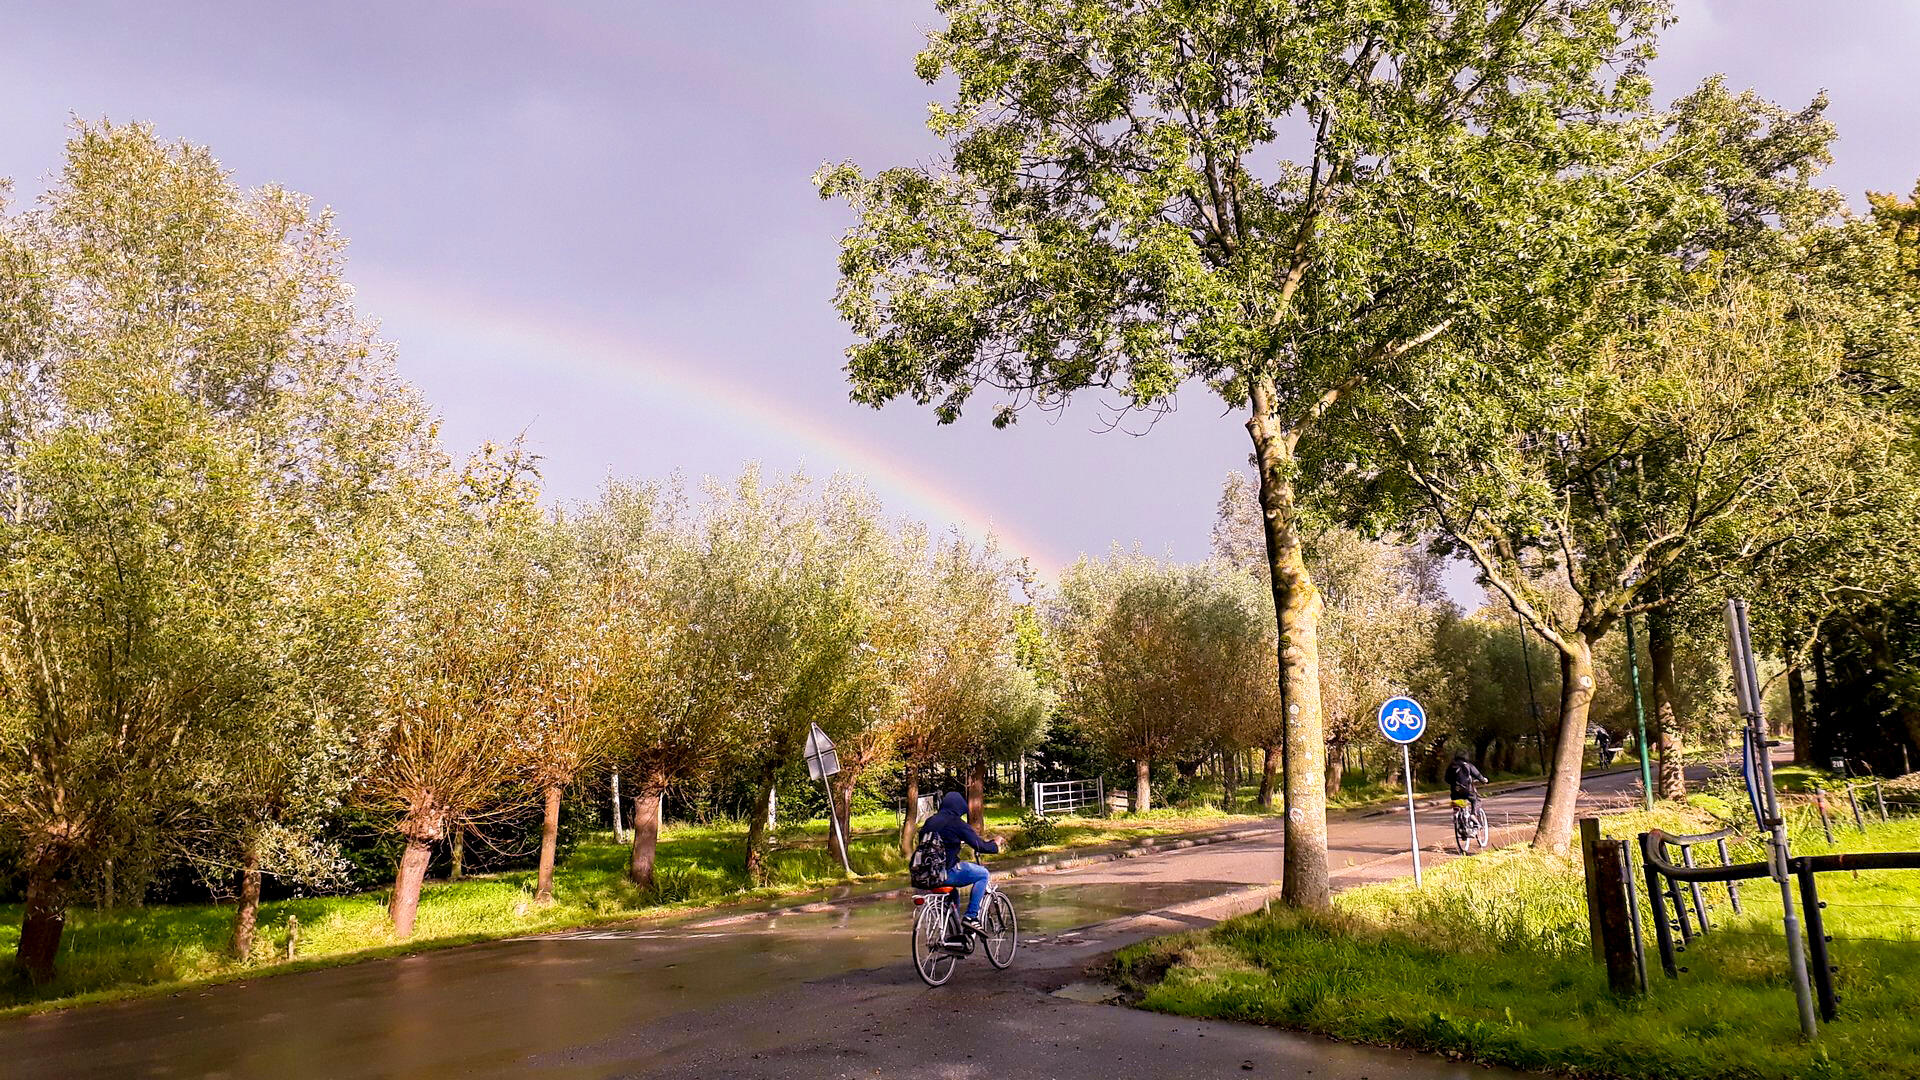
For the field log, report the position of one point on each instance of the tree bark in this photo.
(246, 913)
(1269, 766)
(407, 882)
(1666, 706)
(910, 819)
(758, 872)
(1336, 768)
(549, 845)
(45, 917)
(646, 827)
(1297, 606)
(1555, 830)
(457, 853)
(1142, 787)
(1797, 707)
(977, 796)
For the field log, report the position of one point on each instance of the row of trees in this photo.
(245, 594)
(1463, 277)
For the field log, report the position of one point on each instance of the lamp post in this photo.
(1533, 704)
(1639, 715)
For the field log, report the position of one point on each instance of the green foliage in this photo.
(1037, 830)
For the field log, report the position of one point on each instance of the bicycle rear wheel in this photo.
(1003, 930)
(931, 958)
(1462, 832)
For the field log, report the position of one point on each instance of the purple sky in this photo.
(593, 221)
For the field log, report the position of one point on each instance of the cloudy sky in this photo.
(592, 221)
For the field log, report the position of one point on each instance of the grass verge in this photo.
(127, 952)
(1490, 961)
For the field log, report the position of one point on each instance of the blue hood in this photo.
(953, 803)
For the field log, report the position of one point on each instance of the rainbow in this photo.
(563, 341)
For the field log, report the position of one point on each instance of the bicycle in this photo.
(941, 940)
(1469, 825)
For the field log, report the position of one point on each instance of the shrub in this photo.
(1036, 830)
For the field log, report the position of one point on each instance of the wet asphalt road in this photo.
(821, 993)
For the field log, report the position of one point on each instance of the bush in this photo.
(1036, 830)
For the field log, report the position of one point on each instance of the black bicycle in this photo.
(1469, 825)
(941, 939)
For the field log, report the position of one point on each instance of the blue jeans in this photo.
(973, 877)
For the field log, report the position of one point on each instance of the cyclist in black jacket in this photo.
(1465, 780)
(951, 825)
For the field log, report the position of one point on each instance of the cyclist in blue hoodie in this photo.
(950, 823)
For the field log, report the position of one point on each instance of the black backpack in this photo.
(927, 868)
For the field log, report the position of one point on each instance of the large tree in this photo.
(1283, 202)
(197, 441)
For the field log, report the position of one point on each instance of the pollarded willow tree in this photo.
(199, 446)
(1284, 202)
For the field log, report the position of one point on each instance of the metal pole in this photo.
(1413, 827)
(1533, 706)
(1639, 716)
(1747, 687)
(1817, 939)
(833, 812)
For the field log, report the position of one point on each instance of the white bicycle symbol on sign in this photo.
(1402, 720)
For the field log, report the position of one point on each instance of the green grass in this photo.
(124, 952)
(1491, 961)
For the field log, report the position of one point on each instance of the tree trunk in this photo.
(1336, 768)
(1229, 780)
(1269, 766)
(457, 853)
(549, 846)
(910, 819)
(1142, 787)
(406, 884)
(646, 827)
(1666, 706)
(758, 872)
(45, 916)
(977, 796)
(1555, 830)
(1297, 605)
(246, 913)
(1797, 707)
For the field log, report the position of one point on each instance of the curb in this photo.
(1045, 864)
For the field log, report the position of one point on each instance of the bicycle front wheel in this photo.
(1480, 828)
(1003, 930)
(931, 957)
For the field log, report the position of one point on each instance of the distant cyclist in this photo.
(952, 827)
(1465, 780)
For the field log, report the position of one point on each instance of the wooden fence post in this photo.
(1609, 889)
(1589, 836)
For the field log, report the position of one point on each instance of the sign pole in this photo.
(819, 763)
(1402, 721)
(1640, 716)
(1413, 826)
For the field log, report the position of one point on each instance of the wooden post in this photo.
(1858, 821)
(1589, 836)
(1820, 804)
(1609, 889)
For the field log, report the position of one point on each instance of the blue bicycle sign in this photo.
(1402, 720)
